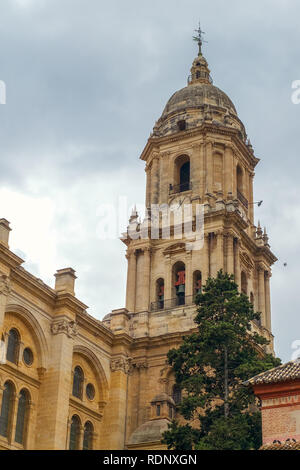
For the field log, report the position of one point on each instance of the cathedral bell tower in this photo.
(199, 154)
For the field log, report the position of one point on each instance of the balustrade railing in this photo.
(184, 300)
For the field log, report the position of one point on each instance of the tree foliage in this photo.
(210, 367)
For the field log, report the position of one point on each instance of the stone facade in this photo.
(106, 384)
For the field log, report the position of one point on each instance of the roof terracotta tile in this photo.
(282, 373)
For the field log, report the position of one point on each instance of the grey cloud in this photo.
(86, 82)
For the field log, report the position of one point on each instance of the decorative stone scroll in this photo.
(120, 363)
(5, 288)
(64, 326)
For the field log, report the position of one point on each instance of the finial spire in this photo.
(199, 38)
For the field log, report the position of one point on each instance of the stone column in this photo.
(237, 265)
(142, 367)
(196, 163)
(251, 205)
(13, 417)
(68, 433)
(118, 397)
(229, 254)
(228, 166)
(80, 438)
(261, 294)
(220, 252)
(202, 169)
(164, 178)
(234, 176)
(52, 415)
(268, 300)
(29, 438)
(146, 278)
(155, 179)
(131, 280)
(4, 293)
(148, 186)
(95, 438)
(209, 167)
(188, 278)
(206, 258)
(168, 279)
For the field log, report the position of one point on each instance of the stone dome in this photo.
(198, 95)
(163, 397)
(198, 103)
(151, 431)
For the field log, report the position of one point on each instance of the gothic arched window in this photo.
(78, 382)
(6, 408)
(88, 436)
(74, 433)
(13, 346)
(21, 417)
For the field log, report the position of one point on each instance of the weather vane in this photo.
(199, 38)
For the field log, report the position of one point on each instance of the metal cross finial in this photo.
(199, 38)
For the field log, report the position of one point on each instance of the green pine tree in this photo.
(210, 367)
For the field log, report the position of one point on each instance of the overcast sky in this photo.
(86, 81)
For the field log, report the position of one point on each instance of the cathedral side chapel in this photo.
(70, 381)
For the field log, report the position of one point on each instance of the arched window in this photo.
(179, 283)
(244, 283)
(13, 346)
(197, 282)
(21, 417)
(252, 298)
(160, 293)
(74, 433)
(78, 382)
(176, 394)
(181, 174)
(6, 407)
(185, 177)
(88, 436)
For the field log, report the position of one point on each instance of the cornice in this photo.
(168, 339)
(36, 286)
(203, 130)
(15, 371)
(8, 258)
(95, 327)
(66, 300)
(122, 339)
(78, 405)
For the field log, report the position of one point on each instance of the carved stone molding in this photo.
(120, 363)
(166, 154)
(5, 288)
(174, 249)
(140, 364)
(65, 326)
